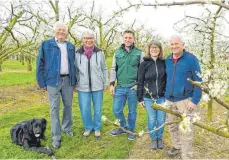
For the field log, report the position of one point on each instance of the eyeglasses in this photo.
(154, 47)
(88, 38)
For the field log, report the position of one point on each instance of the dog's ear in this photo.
(44, 123)
(32, 121)
(30, 126)
(26, 131)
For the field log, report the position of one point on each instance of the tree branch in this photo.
(206, 90)
(197, 123)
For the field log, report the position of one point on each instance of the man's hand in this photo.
(105, 88)
(112, 90)
(191, 106)
(142, 104)
(44, 88)
(75, 89)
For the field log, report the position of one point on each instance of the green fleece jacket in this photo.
(125, 66)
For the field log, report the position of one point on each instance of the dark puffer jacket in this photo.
(151, 75)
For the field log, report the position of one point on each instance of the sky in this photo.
(161, 19)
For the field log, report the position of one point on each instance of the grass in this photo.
(16, 78)
(21, 100)
(72, 147)
(13, 65)
(14, 73)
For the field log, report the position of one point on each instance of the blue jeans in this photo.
(155, 117)
(121, 95)
(84, 99)
(65, 90)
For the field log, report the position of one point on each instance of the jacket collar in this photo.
(81, 50)
(131, 47)
(148, 59)
(182, 55)
(53, 42)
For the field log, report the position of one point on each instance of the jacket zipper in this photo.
(89, 74)
(156, 78)
(58, 77)
(174, 70)
(69, 68)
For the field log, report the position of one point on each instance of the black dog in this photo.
(29, 133)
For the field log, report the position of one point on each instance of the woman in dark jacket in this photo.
(151, 88)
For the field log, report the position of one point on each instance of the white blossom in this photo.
(195, 117)
(141, 133)
(185, 124)
(205, 98)
(164, 104)
(117, 122)
(104, 118)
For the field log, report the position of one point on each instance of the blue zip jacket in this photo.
(48, 63)
(177, 86)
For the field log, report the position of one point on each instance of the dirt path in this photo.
(206, 144)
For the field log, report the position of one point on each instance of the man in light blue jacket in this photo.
(55, 72)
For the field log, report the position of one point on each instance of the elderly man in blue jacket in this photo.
(180, 94)
(56, 74)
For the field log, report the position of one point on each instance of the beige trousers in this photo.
(180, 140)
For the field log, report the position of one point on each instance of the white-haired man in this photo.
(56, 74)
(180, 94)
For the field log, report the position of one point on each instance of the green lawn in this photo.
(14, 73)
(107, 147)
(72, 147)
(16, 78)
(14, 65)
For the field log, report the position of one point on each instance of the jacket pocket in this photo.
(179, 91)
(134, 60)
(120, 60)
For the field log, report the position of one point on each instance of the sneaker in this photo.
(117, 131)
(154, 143)
(56, 144)
(86, 133)
(131, 136)
(97, 134)
(173, 151)
(70, 133)
(160, 144)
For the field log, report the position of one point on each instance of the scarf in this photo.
(88, 51)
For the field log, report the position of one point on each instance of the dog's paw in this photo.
(49, 152)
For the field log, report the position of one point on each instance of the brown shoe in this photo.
(97, 134)
(86, 133)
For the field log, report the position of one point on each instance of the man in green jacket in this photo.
(124, 69)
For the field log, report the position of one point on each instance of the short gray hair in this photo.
(177, 36)
(88, 32)
(59, 24)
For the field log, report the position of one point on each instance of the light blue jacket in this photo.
(92, 75)
(48, 63)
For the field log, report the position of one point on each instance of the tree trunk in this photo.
(0, 66)
(29, 67)
(210, 113)
(22, 60)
